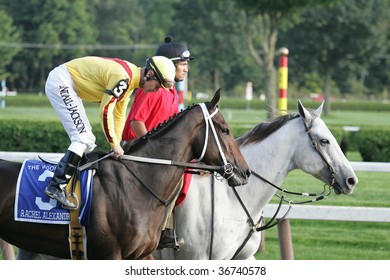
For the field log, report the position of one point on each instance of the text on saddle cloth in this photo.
(33, 205)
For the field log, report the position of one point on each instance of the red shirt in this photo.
(151, 108)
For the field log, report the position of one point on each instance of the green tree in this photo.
(214, 33)
(9, 37)
(378, 79)
(51, 33)
(338, 40)
(118, 24)
(264, 18)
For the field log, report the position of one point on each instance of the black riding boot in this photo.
(169, 239)
(63, 173)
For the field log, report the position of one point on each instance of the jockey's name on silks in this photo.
(72, 109)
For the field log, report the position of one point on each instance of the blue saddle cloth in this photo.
(33, 205)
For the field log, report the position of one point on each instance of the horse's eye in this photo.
(226, 131)
(325, 141)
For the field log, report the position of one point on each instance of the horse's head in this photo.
(217, 145)
(330, 164)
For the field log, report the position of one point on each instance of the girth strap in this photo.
(77, 234)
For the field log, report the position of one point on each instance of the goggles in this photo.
(159, 77)
(184, 56)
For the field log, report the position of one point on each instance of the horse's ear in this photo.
(303, 112)
(318, 111)
(215, 99)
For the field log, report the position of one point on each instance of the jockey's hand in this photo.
(118, 151)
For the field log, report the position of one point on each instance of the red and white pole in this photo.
(283, 80)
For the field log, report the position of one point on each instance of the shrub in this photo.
(374, 145)
(36, 136)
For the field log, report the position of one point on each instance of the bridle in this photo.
(256, 227)
(228, 168)
(316, 147)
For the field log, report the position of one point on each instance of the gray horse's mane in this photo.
(265, 129)
(157, 130)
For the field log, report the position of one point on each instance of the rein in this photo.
(174, 163)
(257, 227)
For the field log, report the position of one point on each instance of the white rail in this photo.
(20, 156)
(331, 213)
(304, 212)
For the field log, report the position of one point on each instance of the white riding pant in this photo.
(61, 91)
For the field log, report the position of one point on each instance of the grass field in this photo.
(311, 239)
(333, 240)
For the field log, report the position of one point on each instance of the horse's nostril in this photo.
(248, 173)
(351, 181)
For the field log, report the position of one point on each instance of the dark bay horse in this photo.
(130, 198)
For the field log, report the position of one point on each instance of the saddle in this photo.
(77, 233)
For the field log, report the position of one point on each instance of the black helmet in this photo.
(174, 51)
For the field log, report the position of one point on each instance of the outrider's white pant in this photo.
(61, 91)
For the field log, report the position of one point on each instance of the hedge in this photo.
(373, 145)
(35, 136)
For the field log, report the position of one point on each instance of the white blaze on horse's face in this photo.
(328, 150)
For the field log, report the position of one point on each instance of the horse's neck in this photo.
(272, 159)
(171, 145)
(174, 145)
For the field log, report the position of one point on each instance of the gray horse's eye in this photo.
(325, 141)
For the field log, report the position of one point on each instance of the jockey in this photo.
(108, 81)
(149, 110)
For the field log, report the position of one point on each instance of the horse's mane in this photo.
(265, 129)
(158, 130)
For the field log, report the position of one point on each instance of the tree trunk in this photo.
(265, 29)
(327, 93)
(270, 90)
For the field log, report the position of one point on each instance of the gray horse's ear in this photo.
(318, 111)
(215, 99)
(303, 112)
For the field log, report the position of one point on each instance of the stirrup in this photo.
(60, 195)
(76, 203)
(171, 240)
